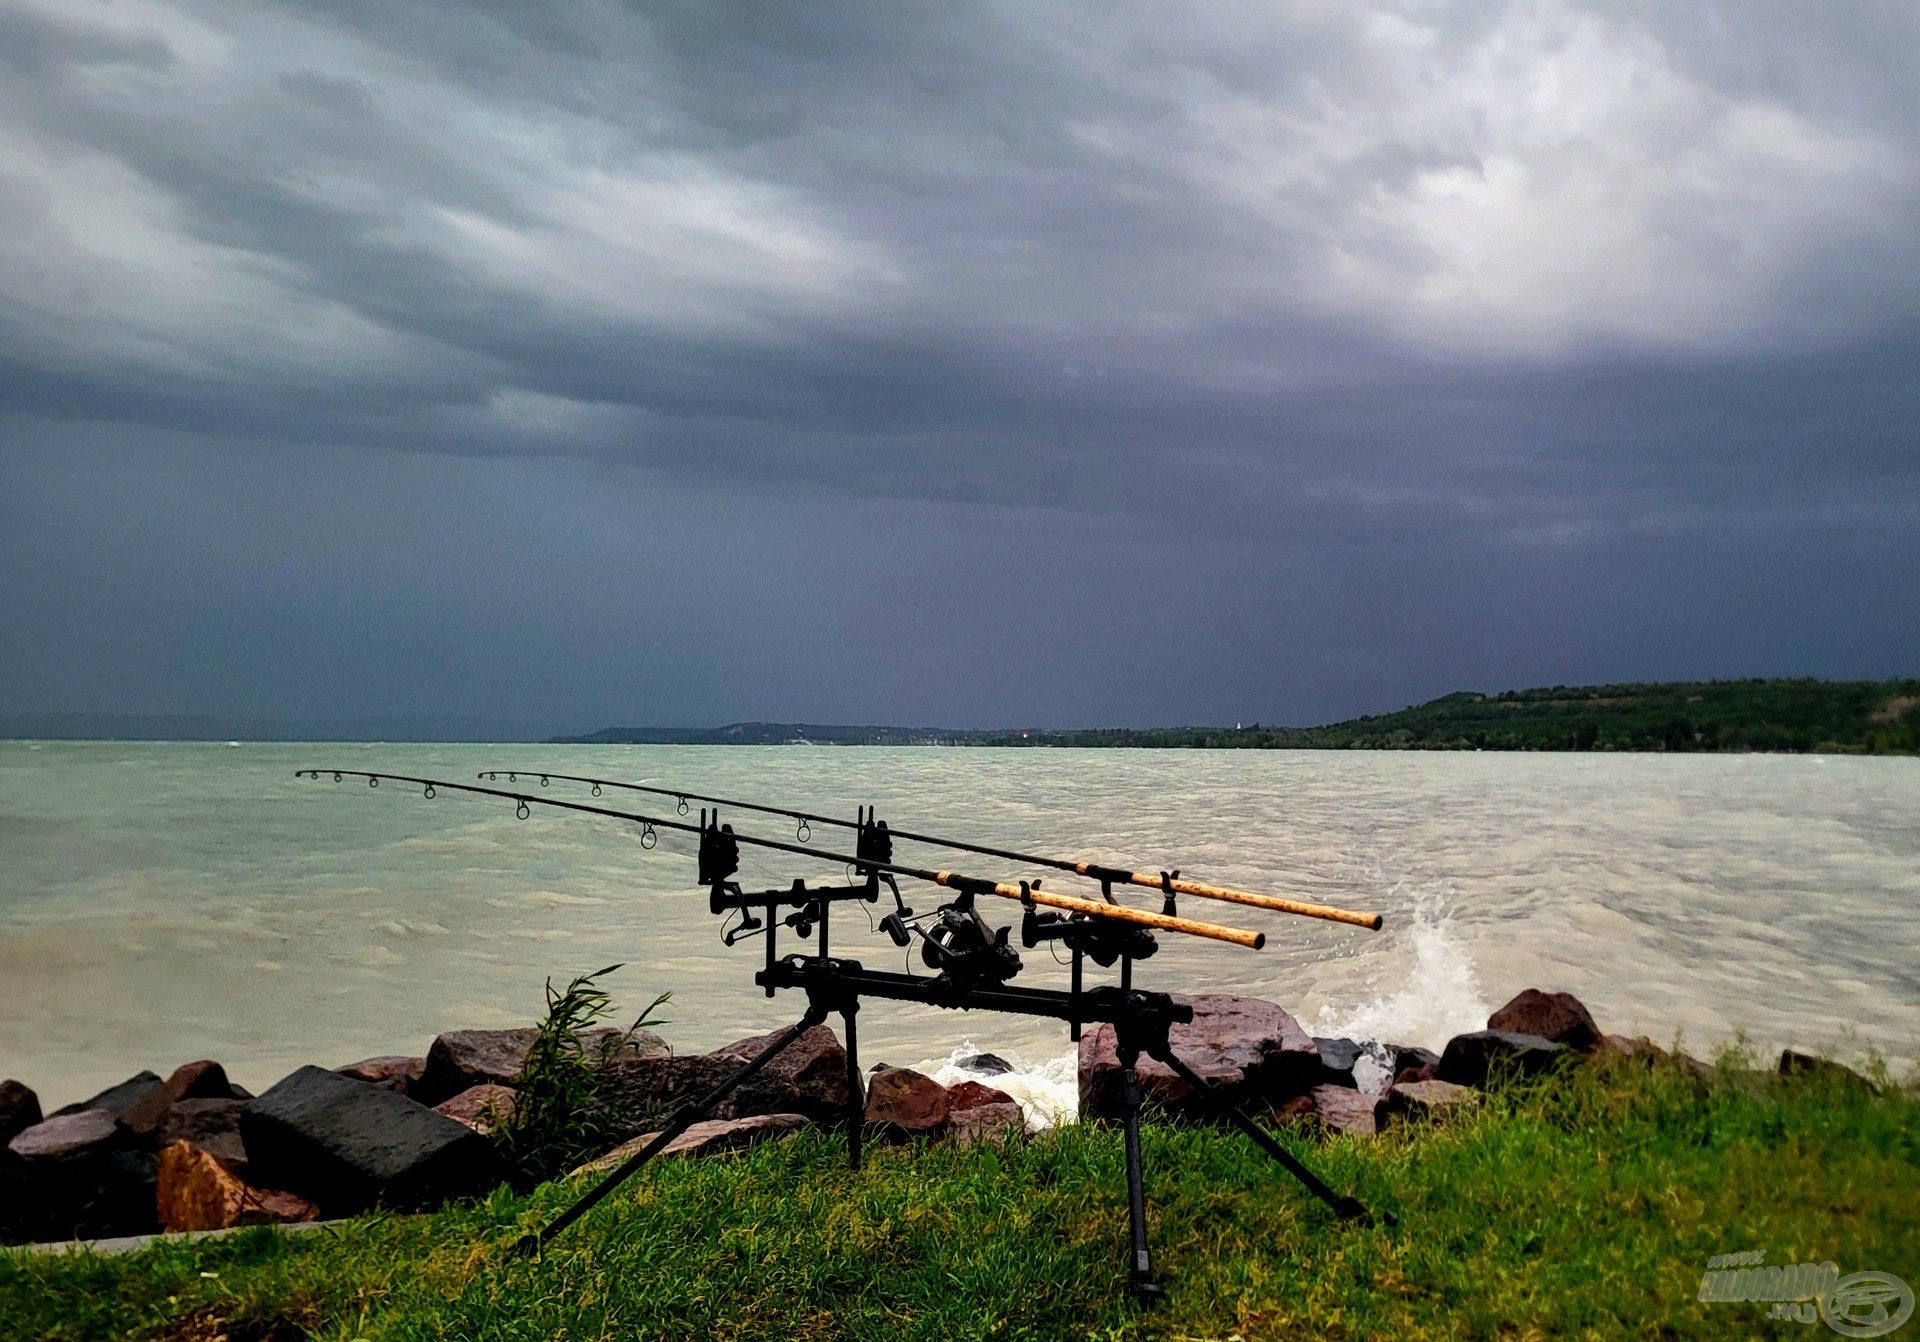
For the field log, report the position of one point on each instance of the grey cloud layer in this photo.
(1493, 277)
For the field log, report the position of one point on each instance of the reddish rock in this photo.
(19, 1110)
(1425, 1071)
(711, 1137)
(1295, 1109)
(1559, 1018)
(1426, 1100)
(211, 1125)
(393, 1071)
(1248, 1049)
(986, 1123)
(202, 1080)
(483, 1108)
(903, 1104)
(139, 1104)
(1824, 1071)
(973, 1094)
(1471, 1058)
(195, 1191)
(1345, 1110)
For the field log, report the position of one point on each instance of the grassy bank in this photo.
(1584, 1208)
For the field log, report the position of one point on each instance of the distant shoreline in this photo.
(1766, 716)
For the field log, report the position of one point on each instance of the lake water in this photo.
(162, 902)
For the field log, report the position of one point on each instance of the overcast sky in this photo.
(951, 364)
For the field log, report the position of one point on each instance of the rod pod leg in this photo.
(685, 1117)
(1346, 1208)
(856, 1093)
(1140, 1258)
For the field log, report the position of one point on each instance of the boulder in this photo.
(1425, 1071)
(1824, 1071)
(1248, 1049)
(462, 1059)
(986, 1123)
(212, 1126)
(347, 1145)
(1426, 1100)
(482, 1108)
(68, 1134)
(19, 1110)
(1337, 1057)
(1405, 1057)
(202, 1080)
(904, 1104)
(1559, 1018)
(1345, 1110)
(974, 1094)
(809, 1078)
(710, 1137)
(395, 1071)
(196, 1191)
(1471, 1058)
(139, 1104)
(984, 1064)
(1619, 1047)
(81, 1174)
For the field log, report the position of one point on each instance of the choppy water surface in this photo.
(165, 902)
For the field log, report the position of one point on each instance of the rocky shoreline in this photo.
(193, 1151)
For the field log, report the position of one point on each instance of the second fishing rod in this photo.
(1167, 882)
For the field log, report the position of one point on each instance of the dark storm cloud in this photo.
(1401, 304)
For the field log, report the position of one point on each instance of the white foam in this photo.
(1435, 998)
(1047, 1090)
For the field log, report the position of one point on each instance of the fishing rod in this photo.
(1026, 892)
(1167, 882)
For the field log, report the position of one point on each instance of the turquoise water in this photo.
(160, 902)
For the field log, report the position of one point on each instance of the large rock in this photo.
(19, 1110)
(462, 1059)
(1824, 1071)
(984, 1064)
(1337, 1057)
(809, 1078)
(1560, 1018)
(202, 1080)
(1471, 1058)
(974, 1094)
(1346, 1110)
(482, 1108)
(196, 1191)
(348, 1145)
(395, 1071)
(986, 1123)
(1426, 1100)
(212, 1126)
(711, 1137)
(81, 1174)
(139, 1104)
(903, 1104)
(1248, 1049)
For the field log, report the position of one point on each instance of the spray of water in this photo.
(1424, 1002)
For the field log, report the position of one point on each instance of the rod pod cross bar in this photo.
(1166, 882)
(966, 885)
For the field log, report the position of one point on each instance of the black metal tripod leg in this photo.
(856, 1097)
(683, 1119)
(1140, 1264)
(1347, 1208)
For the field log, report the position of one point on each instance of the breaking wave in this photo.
(1047, 1090)
(1427, 1002)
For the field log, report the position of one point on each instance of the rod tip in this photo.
(1259, 940)
(1373, 924)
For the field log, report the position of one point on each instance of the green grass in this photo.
(1583, 1209)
